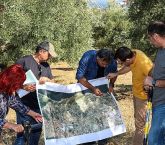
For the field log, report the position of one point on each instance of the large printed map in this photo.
(73, 114)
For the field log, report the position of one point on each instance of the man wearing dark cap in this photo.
(37, 63)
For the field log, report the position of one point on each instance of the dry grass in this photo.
(64, 74)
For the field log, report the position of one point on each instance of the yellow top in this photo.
(140, 69)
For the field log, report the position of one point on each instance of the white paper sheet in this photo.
(30, 79)
(74, 115)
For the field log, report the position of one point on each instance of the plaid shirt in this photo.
(12, 102)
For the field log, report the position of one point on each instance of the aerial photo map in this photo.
(73, 114)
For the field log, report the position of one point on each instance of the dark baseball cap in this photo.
(48, 47)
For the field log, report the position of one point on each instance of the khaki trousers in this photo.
(140, 107)
(1, 141)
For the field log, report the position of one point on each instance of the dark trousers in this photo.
(34, 135)
(100, 142)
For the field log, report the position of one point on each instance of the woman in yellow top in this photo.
(140, 66)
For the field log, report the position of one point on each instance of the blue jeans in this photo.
(157, 131)
(34, 135)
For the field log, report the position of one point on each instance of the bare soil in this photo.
(64, 74)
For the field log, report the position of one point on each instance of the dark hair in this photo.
(157, 27)
(105, 54)
(11, 79)
(2, 66)
(123, 53)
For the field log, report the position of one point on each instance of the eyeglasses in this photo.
(39, 70)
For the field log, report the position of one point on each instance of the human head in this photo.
(45, 50)
(156, 33)
(124, 55)
(11, 79)
(104, 57)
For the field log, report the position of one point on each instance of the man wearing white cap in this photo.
(37, 63)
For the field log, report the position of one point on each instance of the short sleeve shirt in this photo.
(140, 69)
(39, 70)
(159, 74)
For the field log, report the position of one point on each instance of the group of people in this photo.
(27, 108)
(144, 73)
(93, 64)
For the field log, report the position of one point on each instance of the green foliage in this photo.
(141, 13)
(65, 23)
(70, 25)
(113, 29)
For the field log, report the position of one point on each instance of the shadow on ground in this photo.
(64, 69)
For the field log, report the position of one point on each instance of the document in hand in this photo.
(30, 79)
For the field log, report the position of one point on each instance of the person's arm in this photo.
(113, 69)
(16, 127)
(43, 80)
(36, 116)
(153, 83)
(159, 83)
(17, 105)
(81, 70)
(29, 87)
(95, 90)
(111, 84)
(4, 123)
(82, 67)
(123, 70)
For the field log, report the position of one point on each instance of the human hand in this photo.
(112, 75)
(16, 127)
(43, 80)
(36, 116)
(148, 83)
(29, 87)
(110, 89)
(97, 92)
